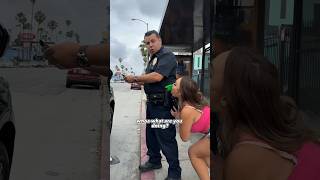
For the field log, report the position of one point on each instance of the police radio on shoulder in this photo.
(83, 60)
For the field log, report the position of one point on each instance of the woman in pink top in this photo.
(262, 133)
(195, 115)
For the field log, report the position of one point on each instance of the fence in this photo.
(278, 49)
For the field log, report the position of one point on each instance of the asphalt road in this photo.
(58, 129)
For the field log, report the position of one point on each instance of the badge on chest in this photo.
(153, 63)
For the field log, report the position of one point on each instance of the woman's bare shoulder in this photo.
(187, 111)
(253, 162)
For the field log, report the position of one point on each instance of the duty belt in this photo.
(157, 98)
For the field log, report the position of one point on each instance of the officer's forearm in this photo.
(149, 78)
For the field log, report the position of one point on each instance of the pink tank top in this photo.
(306, 160)
(308, 166)
(202, 125)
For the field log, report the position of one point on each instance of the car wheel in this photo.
(4, 163)
(68, 84)
(111, 118)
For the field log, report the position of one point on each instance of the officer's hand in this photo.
(175, 113)
(63, 55)
(129, 78)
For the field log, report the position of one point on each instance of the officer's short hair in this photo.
(149, 33)
(4, 39)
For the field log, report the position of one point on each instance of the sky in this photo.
(126, 35)
(88, 19)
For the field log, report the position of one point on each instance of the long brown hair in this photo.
(190, 94)
(254, 104)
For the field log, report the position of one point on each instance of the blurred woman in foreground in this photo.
(261, 131)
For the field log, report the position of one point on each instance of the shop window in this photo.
(283, 10)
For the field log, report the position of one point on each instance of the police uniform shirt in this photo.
(164, 63)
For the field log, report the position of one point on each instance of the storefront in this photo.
(292, 42)
(285, 31)
(185, 28)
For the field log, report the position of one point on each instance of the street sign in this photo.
(27, 36)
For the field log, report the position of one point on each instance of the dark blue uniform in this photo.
(158, 106)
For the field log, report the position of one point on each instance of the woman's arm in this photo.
(187, 116)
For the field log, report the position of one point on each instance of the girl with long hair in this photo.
(194, 112)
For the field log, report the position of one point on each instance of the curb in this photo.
(150, 175)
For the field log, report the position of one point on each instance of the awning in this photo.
(176, 28)
(184, 23)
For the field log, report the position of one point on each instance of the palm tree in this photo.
(20, 27)
(45, 35)
(117, 68)
(22, 19)
(33, 2)
(70, 34)
(60, 34)
(52, 25)
(26, 26)
(39, 16)
(68, 22)
(144, 52)
(120, 60)
(40, 31)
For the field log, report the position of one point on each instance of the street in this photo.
(57, 129)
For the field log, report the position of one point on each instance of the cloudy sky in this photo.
(88, 19)
(126, 35)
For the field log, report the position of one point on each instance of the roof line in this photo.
(164, 13)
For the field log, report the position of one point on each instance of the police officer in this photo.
(160, 71)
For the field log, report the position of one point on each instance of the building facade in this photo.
(287, 32)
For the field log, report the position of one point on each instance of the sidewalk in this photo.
(188, 173)
(125, 136)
